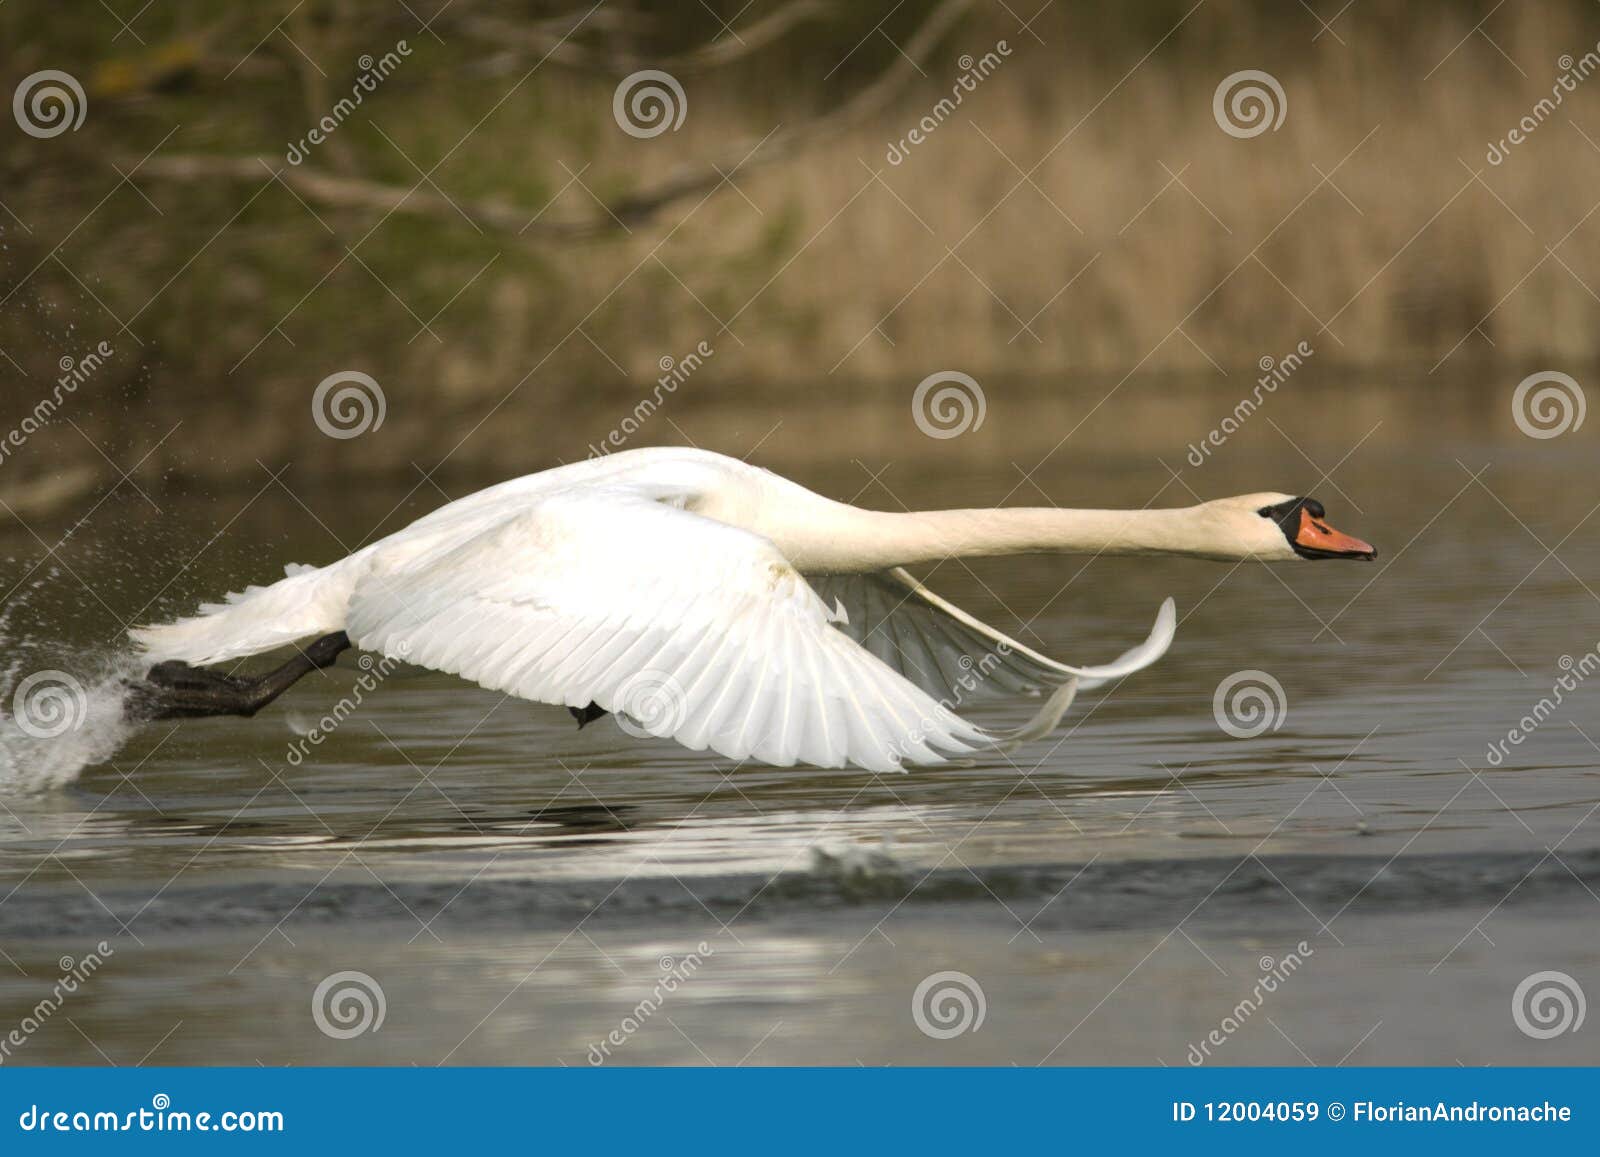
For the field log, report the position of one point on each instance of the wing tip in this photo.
(1166, 626)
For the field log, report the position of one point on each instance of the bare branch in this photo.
(550, 39)
(353, 193)
(787, 142)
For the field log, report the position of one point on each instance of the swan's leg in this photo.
(588, 714)
(175, 690)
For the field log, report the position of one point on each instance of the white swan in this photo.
(710, 601)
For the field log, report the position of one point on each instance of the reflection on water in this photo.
(447, 840)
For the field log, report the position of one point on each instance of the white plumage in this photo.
(704, 599)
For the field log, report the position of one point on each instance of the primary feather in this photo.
(657, 585)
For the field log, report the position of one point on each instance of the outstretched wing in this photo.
(691, 628)
(946, 652)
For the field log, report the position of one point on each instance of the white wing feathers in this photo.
(946, 651)
(310, 601)
(691, 628)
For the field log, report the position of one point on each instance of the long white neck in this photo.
(850, 540)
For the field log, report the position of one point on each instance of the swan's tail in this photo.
(310, 601)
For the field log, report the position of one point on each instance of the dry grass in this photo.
(1080, 214)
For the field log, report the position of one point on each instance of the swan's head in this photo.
(1281, 527)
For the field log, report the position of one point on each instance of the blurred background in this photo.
(479, 231)
(278, 278)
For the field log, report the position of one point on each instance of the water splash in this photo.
(56, 721)
(61, 710)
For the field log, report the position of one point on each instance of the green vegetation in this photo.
(502, 287)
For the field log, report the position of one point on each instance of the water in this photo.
(515, 888)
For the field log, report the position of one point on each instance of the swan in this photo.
(709, 601)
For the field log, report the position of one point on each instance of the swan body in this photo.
(723, 606)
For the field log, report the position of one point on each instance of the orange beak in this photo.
(1316, 539)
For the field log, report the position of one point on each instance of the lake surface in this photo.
(515, 889)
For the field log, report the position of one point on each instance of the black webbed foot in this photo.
(177, 690)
